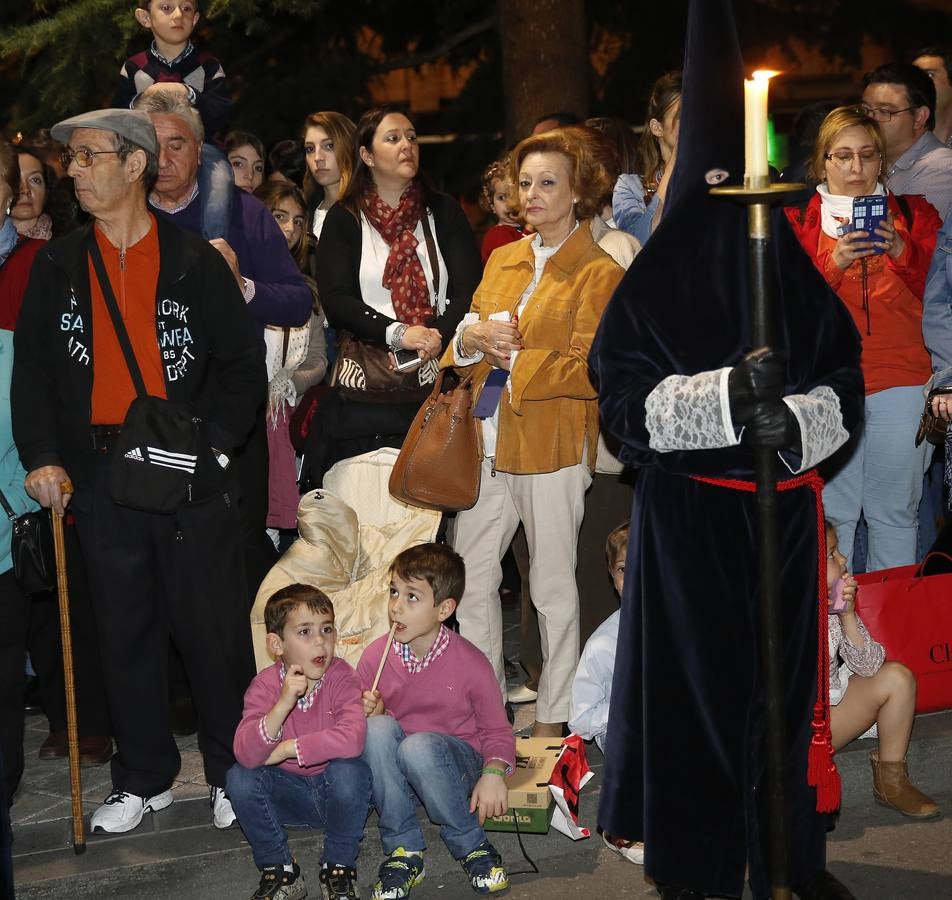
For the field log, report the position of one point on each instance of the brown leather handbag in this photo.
(439, 463)
(362, 372)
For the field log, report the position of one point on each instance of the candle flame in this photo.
(763, 74)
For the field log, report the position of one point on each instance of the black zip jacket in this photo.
(212, 357)
(338, 271)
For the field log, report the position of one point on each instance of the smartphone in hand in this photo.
(868, 215)
(407, 360)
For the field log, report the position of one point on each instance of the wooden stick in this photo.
(383, 657)
(72, 731)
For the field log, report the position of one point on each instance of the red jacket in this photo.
(14, 275)
(884, 296)
(912, 266)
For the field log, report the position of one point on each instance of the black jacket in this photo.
(338, 271)
(212, 357)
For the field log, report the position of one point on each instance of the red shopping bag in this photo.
(911, 616)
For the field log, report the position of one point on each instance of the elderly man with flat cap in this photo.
(154, 575)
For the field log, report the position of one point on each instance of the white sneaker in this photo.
(633, 852)
(221, 808)
(122, 811)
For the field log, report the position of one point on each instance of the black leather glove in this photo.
(758, 377)
(772, 426)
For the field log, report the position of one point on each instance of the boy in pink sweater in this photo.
(436, 729)
(297, 750)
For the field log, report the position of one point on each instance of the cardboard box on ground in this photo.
(530, 800)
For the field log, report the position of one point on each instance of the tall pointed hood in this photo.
(711, 136)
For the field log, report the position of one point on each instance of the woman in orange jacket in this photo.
(526, 339)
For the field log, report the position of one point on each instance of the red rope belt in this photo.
(821, 769)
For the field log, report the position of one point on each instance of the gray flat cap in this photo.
(132, 124)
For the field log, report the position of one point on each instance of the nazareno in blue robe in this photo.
(685, 755)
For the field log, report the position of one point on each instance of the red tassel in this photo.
(821, 769)
(819, 749)
(828, 787)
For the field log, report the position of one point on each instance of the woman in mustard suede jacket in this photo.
(526, 339)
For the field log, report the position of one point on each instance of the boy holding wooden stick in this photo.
(436, 728)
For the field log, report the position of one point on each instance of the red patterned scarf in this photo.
(403, 274)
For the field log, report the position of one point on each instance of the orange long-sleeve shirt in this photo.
(133, 278)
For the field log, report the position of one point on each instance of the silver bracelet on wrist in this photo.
(460, 349)
(397, 337)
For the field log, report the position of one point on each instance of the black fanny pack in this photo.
(156, 455)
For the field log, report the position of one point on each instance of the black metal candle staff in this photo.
(758, 195)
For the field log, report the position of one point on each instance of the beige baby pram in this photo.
(350, 531)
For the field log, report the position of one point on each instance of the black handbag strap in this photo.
(431, 253)
(116, 316)
(11, 515)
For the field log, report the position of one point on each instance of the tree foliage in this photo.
(282, 57)
(287, 57)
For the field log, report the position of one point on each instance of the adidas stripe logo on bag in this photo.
(184, 461)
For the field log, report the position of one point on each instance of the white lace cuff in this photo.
(821, 426)
(690, 412)
(459, 358)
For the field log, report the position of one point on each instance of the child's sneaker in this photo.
(633, 851)
(338, 882)
(485, 871)
(277, 884)
(398, 874)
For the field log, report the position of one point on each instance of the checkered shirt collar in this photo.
(304, 703)
(409, 658)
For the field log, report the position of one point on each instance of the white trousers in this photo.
(550, 506)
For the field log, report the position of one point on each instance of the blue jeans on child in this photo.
(268, 799)
(440, 769)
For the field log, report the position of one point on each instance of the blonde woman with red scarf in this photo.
(880, 277)
(396, 267)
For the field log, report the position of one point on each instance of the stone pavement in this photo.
(179, 853)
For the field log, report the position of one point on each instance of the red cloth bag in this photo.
(911, 616)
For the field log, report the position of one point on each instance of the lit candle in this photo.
(755, 128)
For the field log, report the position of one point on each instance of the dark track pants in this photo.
(155, 577)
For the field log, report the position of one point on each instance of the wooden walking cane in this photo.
(72, 732)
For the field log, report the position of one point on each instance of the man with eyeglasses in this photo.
(936, 62)
(902, 98)
(153, 575)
